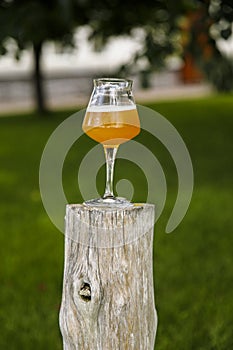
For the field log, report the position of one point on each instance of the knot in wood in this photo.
(85, 292)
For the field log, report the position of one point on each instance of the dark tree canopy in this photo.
(27, 23)
(36, 21)
(207, 21)
(33, 22)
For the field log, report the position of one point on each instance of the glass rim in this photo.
(124, 83)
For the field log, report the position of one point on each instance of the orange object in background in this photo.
(190, 73)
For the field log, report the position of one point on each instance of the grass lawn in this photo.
(193, 266)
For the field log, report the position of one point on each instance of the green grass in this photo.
(193, 266)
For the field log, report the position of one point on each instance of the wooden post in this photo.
(108, 294)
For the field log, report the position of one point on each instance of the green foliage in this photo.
(209, 23)
(160, 27)
(34, 22)
(193, 266)
(157, 20)
(219, 71)
(221, 12)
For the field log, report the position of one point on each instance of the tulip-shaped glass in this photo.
(111, 118)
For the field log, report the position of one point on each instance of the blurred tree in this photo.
(158, 22)
(204, 27)
(32, 23)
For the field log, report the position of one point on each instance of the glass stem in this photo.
(110, 156)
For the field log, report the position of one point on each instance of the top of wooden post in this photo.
(108, 227)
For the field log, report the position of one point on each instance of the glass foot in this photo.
(110, 203)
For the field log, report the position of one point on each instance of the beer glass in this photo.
(111, 118)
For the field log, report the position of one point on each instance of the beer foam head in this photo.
(110, 108)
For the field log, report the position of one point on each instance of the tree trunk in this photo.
(38, 78)
(108, 295)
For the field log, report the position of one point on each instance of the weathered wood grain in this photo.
(108, 295)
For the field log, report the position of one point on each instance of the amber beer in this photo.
(111, 125)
